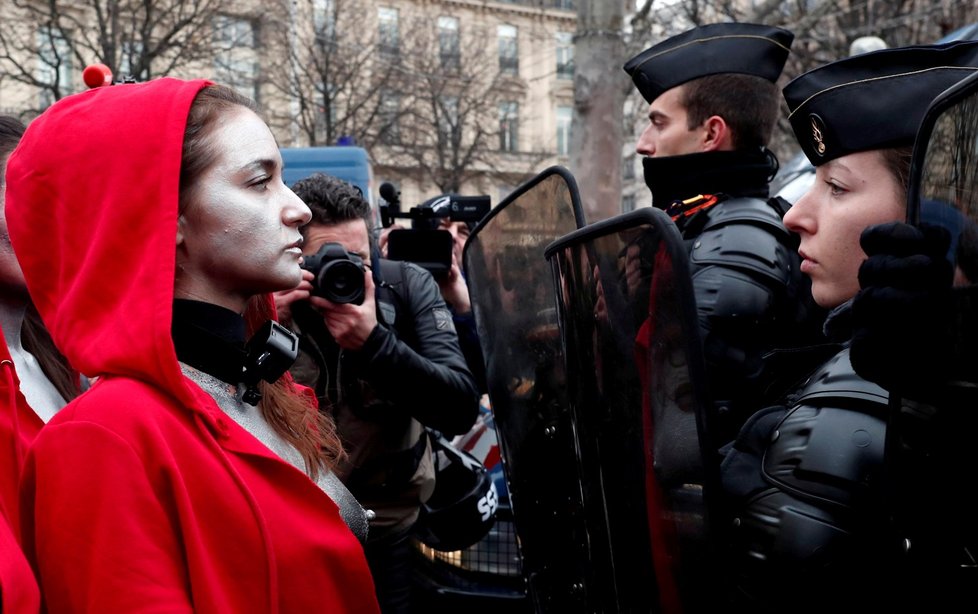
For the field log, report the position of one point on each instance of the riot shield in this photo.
(634, 381)
(930, 451)
(514, 306)
(944, 175)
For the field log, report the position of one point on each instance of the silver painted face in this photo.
(238, 235)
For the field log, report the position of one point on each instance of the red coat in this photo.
(19, 589)
(141, 495)
(18, 427)
(139, 503)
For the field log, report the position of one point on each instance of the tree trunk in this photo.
(599, 90)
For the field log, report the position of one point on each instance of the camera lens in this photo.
(341, 281)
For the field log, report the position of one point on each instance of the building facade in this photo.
(466, 96)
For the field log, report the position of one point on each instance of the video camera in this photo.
(424, 244)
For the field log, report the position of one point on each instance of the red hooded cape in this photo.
(18, 427)
(141, 495)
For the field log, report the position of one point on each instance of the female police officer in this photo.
(804, 479)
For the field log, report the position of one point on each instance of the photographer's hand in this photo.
(454, 289)
(350, 324)
(285, 298)
(383, 238)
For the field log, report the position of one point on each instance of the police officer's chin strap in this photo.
(210, 338)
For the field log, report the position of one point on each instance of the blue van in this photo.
(348, 163)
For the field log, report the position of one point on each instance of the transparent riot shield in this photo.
(930, 447)
(634, 382)
(944, 178)
(514, 306)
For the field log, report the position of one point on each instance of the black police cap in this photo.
(872, 101)
(718, 48)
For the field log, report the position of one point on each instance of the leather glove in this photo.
(901, 316)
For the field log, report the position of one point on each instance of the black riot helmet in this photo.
(462, 508)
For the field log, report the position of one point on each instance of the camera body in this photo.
(337, 274)
(424, 244)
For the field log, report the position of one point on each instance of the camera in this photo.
(424, 244)
(337, 274)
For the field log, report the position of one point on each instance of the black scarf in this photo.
(734, 173)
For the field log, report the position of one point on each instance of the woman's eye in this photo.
(835, 189)
(261, 183)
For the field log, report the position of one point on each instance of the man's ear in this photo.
(716, 134)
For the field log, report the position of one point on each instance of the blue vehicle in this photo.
(351, 164)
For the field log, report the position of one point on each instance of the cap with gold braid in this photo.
(718, 48)
(872, 101)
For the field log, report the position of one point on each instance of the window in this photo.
(390, 112)
(565, 55)
(627, 203)
(447, 118)
(389, 33)
(235, 57)
(508, 123)
(53, 66)
(628, 167)
(567, 5)
(564, 117)
(129, 59)
(324, 19)
(448, 44)
(509, 56)
(234, 31)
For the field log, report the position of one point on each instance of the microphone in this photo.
(389, 193)
(97, 75)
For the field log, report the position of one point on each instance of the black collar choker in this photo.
(210, 338)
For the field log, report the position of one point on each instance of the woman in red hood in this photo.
(152, 224)
(18, 422)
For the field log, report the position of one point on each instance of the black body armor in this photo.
(751, 298)
(808, 496)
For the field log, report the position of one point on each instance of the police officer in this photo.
(809, 509)
(713, 104)
(915, 332)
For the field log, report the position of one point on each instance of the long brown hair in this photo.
(36, 340)
(295, 418)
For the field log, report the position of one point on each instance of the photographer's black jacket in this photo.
(409, 373)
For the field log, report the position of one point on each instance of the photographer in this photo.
(456, 216)
(385, 361)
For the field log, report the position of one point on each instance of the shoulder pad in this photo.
(837, 381)
(830, 454)
(762, 249)
(746, 210)
(829, 447)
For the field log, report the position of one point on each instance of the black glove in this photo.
(902, 331)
